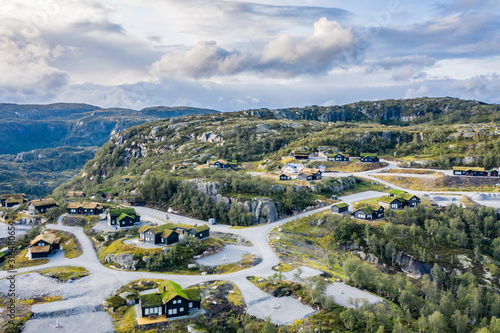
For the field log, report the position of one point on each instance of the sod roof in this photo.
(118, 211)
(40, 249)
(212, 162)
(14, 195)
(85, 205)
(75, 194)
(47, 237)
(201, 228)
(123, 215)
(14, 200)
(389, 200)
(184, 226)
(405, 196)
(478, 169)
(366, 210)
(150, 300)
(341, 204)
(43, 202)
(170, 289)
(166, 233)
(159, 228)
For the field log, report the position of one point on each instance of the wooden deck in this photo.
(148, 321)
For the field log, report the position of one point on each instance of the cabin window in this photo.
(150, 311)
(174, 311)
(362, 216)
(170, 311)
(190, 305)
(181, 309)
(394, 206)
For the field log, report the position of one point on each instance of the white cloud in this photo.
(25, 68)
(329, 42)
(204, 59)
(327, 45)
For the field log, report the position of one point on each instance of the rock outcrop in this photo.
(410, 266)
(265, 210)
(125, 260)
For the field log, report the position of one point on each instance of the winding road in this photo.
(103, 281)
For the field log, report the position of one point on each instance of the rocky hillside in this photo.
(402, 111)
(27, 127)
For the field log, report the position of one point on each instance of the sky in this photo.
(234, 55)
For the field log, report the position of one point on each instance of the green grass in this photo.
(70, 244)
(410, 171)
(65, 273)
(303, 244)
(118, 246)
(439, 183)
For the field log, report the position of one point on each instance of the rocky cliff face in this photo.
(380, 111)
(410, 266)
(264, 209)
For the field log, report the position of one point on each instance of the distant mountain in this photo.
(29, 126)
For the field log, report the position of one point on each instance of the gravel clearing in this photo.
(33, 285)
(99, 322)
(307, 272)
(345, 295)
(487, 199)
(282, 310)
(446, 200)
(230, 254)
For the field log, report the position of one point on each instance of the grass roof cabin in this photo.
(170, 301)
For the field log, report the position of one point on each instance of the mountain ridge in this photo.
(38, 126)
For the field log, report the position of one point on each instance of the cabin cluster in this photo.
(12, 200)
(123, 217)
(169, 301)
(85, 208)
(396, 199)
(477, 172)
(330, 155)
(170, 233)
(299, 172)
(43, 245)
(222, 164)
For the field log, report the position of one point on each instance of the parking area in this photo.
(348, 296)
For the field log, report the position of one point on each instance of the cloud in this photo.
(447, 36)
(25, 68)
(203, 60)
(316, 53)
(330, 42)
(405, 67)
